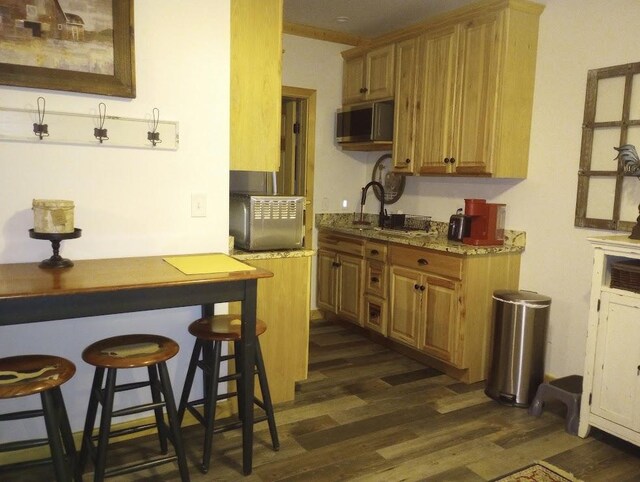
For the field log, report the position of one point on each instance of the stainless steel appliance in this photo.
(261, 222)
(459, 226)
(365, 122)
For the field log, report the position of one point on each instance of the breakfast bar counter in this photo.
(29, 293)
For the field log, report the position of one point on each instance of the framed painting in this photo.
(68, 45)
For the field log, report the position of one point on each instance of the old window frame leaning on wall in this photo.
(607, 197)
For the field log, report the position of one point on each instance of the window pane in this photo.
(633, 137)
(630, 199)
(603, 153)
(601, 194)
(634, 111)
(610, 99)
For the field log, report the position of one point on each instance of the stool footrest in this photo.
(131, 386)
(21, 415)
(137, 409)
(23, 444)
(127, 431)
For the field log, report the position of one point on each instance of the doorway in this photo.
(297, 150)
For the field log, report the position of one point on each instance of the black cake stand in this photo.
(56, 261)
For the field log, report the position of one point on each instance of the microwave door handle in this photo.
(376, 134)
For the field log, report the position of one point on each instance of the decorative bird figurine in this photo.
(629, 156)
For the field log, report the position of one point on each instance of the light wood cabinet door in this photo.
(375, 314)
(256, 85)
(406, 105)
(349, 299)
(405, 305)
(353, 83)
(369, 76)
(435, 141)
(327, 279)
(616, 377)
(480, 43)
(440, 330)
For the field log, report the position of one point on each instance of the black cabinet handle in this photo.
(335, 264)
(453, 160)
(374, 252)
(407, 161)
(422, 288)
(423, 262)
(363, 90)
(375, 279)
(416, 286)
(446, 160)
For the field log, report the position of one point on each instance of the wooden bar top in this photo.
(103, 275)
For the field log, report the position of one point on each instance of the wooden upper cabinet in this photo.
(405, 105)
(473, 96)
(368, 76)
(256, 84)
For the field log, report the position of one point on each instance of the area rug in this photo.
(538, 472)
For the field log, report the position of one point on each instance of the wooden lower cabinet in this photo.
(283, 303)
(340, 271)
(436, 303)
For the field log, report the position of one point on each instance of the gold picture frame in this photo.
(120, 84)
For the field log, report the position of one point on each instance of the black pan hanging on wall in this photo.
(392, 182)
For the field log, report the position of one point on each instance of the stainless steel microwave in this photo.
(365, 122)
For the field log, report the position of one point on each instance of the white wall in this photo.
(575, 36)
(129, 202)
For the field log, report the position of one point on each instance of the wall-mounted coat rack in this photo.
(19, 125)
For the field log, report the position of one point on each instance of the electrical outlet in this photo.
(198, 205)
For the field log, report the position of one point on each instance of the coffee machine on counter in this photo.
(487, 222)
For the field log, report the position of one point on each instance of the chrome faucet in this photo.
(381, 216)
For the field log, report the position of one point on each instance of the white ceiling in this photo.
(367, 18)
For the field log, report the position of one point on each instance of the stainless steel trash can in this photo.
(520, 320)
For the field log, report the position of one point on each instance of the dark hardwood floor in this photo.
(369, 414)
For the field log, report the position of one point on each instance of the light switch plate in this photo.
(198, 205)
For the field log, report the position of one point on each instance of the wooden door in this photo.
(440, 335)
(350, 292)
(379, 78)
(353, 82)
(405, 105)
(477, 90)
(616, 382)
(435, 145)
(327, 279)
(375, 314)
(405, 304)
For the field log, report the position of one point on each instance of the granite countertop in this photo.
(435, 238)
(282, 253)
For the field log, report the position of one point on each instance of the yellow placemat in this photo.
(207, 264)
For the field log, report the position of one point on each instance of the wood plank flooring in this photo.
(370, 414)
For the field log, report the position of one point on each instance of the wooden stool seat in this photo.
(211, 332)
(130, 351)
(30, 374)
(25, 375)
(125, 352)
(222, 328)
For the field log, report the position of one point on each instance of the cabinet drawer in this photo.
(376, 278)
(375, 250)
(427, 260)
(343, 244)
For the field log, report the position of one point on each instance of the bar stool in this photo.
(122, 352)
(210, 333)
(25, 375)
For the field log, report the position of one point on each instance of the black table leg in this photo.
(248, 362)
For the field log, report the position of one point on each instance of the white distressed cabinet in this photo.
(611, 391)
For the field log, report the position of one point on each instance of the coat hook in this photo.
(100, 133)
(40, 129)
(154, 135)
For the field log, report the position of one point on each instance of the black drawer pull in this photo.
(335, 264)
(407, 161)
(422, 288)
(453, 160)
(416, 286)
(446, 160)
(423, 262)
(374, 252)
(375, 279)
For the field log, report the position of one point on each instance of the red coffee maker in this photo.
(487, 222)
